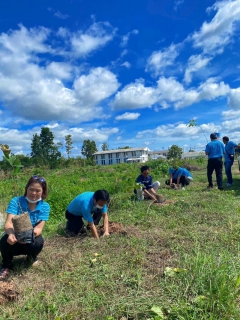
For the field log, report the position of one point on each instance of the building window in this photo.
(102, 156)
(110, 155)
(117, 155)
(103, 162)
(125, 154)
(96, 162)
(110, 161)
(118, 160)
(134, 153)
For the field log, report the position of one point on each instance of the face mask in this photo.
(98, 206)
(33, 201)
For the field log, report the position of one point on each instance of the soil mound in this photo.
(7, 292)
(117, 227)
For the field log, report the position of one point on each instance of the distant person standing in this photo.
(214, 150)
(229, 158)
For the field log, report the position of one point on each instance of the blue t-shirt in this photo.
(83, 205)
(146, 181)
(19, 205)
(186, 173)
(229, 149)
(215, 149)
(176, 172)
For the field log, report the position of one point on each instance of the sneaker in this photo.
(220, 189)
(4, 273)
(210, 187)
(183, 188)
(36, 262)
(228, 184)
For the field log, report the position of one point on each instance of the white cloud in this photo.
(231, 114)
(23, 42)
(126, 37)
(159, 60)
(33, 90)
(180, 132)
(234, 99)
(126, 64)
(99, 84)
(96, 37)
(58, 14)
(133, 96)
(216, 34)
(177, 3)
(195, 63)
(169, 92)
(128, 116)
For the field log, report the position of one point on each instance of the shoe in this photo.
(220, 189)
(210, 187)
(36, 262)
(183, 188)
(69, 233)
(228, 184)
(4, 273)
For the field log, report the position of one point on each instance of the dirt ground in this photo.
(7, 292)
(117, 227)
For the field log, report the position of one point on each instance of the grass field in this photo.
(179, 261)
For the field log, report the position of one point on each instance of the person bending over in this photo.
(90, 206)
(178, 177)
(38, 212)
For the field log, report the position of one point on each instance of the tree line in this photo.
(45, 152)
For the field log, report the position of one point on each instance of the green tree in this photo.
(44, 150)
(174, 152)
(88, 149)
(69, 144)
(126, 147)
(105, 146)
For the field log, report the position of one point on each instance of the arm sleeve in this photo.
(45, 212)
(86, 212)
(150, 182)
(13, 206)
(104, 209)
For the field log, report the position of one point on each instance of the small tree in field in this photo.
(69, 143)
(174, 152)
(89, 148)
(105, 146)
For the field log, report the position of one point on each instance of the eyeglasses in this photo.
(38, 178)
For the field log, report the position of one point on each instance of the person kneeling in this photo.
(90, 206)
(30, 243)
(147, 188)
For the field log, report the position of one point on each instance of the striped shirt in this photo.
(83, 205)
(19, 205)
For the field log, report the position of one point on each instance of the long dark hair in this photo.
(39, 180)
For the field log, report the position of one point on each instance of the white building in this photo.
(121, 155)
(193, 155)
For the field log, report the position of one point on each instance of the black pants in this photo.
(217, 165)
(9, 251)
(76, 224)
(183, 181)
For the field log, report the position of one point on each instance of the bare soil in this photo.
(7, 292)
(117, 227)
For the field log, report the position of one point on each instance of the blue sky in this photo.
(125, 72)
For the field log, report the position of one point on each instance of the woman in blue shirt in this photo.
(38, 211)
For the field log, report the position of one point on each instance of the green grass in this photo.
(182, 258)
